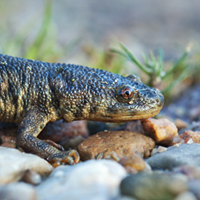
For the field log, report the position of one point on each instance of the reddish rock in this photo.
(123, 143)
(187, 137)
(73, 142)
(134, 126)
(161, 130)
(60, 131)
(8, 137)
(70, 135)
(190, 171)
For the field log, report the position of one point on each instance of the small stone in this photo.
(13, 164)
(89, 180)
(17, 191)
(159, 149)
(133, 164)
(122, 197)
(190, 171)
(159, 186)
(184, 154)
(194, 186)
(113, 156)
(61, 132)
(186, 196)
(134, 126)
(190, 135)
(73, 142)
(190, 141)
(8, 136)
(180, 124)
(123, 143)
(31, 177)
(177, 141)
(161, 130)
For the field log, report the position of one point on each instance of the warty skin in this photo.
(33, 93)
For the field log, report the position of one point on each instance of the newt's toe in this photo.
(70, 157)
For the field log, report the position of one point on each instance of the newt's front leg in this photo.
(27, 133)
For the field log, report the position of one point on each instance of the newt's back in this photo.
(22, 81)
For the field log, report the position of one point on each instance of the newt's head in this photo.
(126, 99)
(98, 95)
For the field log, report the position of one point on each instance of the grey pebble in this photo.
(17, 191)
(185, 154)
(89, 180)
(151, 186)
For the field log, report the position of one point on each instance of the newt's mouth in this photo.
(129, 115)
(125, 112)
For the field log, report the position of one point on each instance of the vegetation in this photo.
(154, 67)
(169, 77)
(43, 45)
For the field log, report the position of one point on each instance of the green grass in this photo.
(163, 75)
(44, 45)
(103, 59)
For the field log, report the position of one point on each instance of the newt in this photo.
(33, 93)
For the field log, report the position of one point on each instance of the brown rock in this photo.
(180, 124)
(133, 164)
(187, 135)
(123, 143)
(161, 130)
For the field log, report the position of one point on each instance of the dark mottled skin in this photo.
(33, 93)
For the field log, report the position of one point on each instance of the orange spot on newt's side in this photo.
(4, 85)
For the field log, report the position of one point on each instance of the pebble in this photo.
(122, 197)
(123, 143)
(8, 136)
(187, 136)
(184, 154)
(17, 191)
(134, 126)
(89, 180)
(62, 132)
(13, 164)
(158, 149)
(151, 186)
(186, 196)
(180, 124)
(194, 186)
(133, 164)
(191, 172)
(69, 135)
(161, 130)
(31, 177)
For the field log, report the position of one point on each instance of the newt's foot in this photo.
(70, 157)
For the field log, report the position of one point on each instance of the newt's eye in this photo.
(125, 94)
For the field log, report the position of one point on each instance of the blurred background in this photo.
(155, 32)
